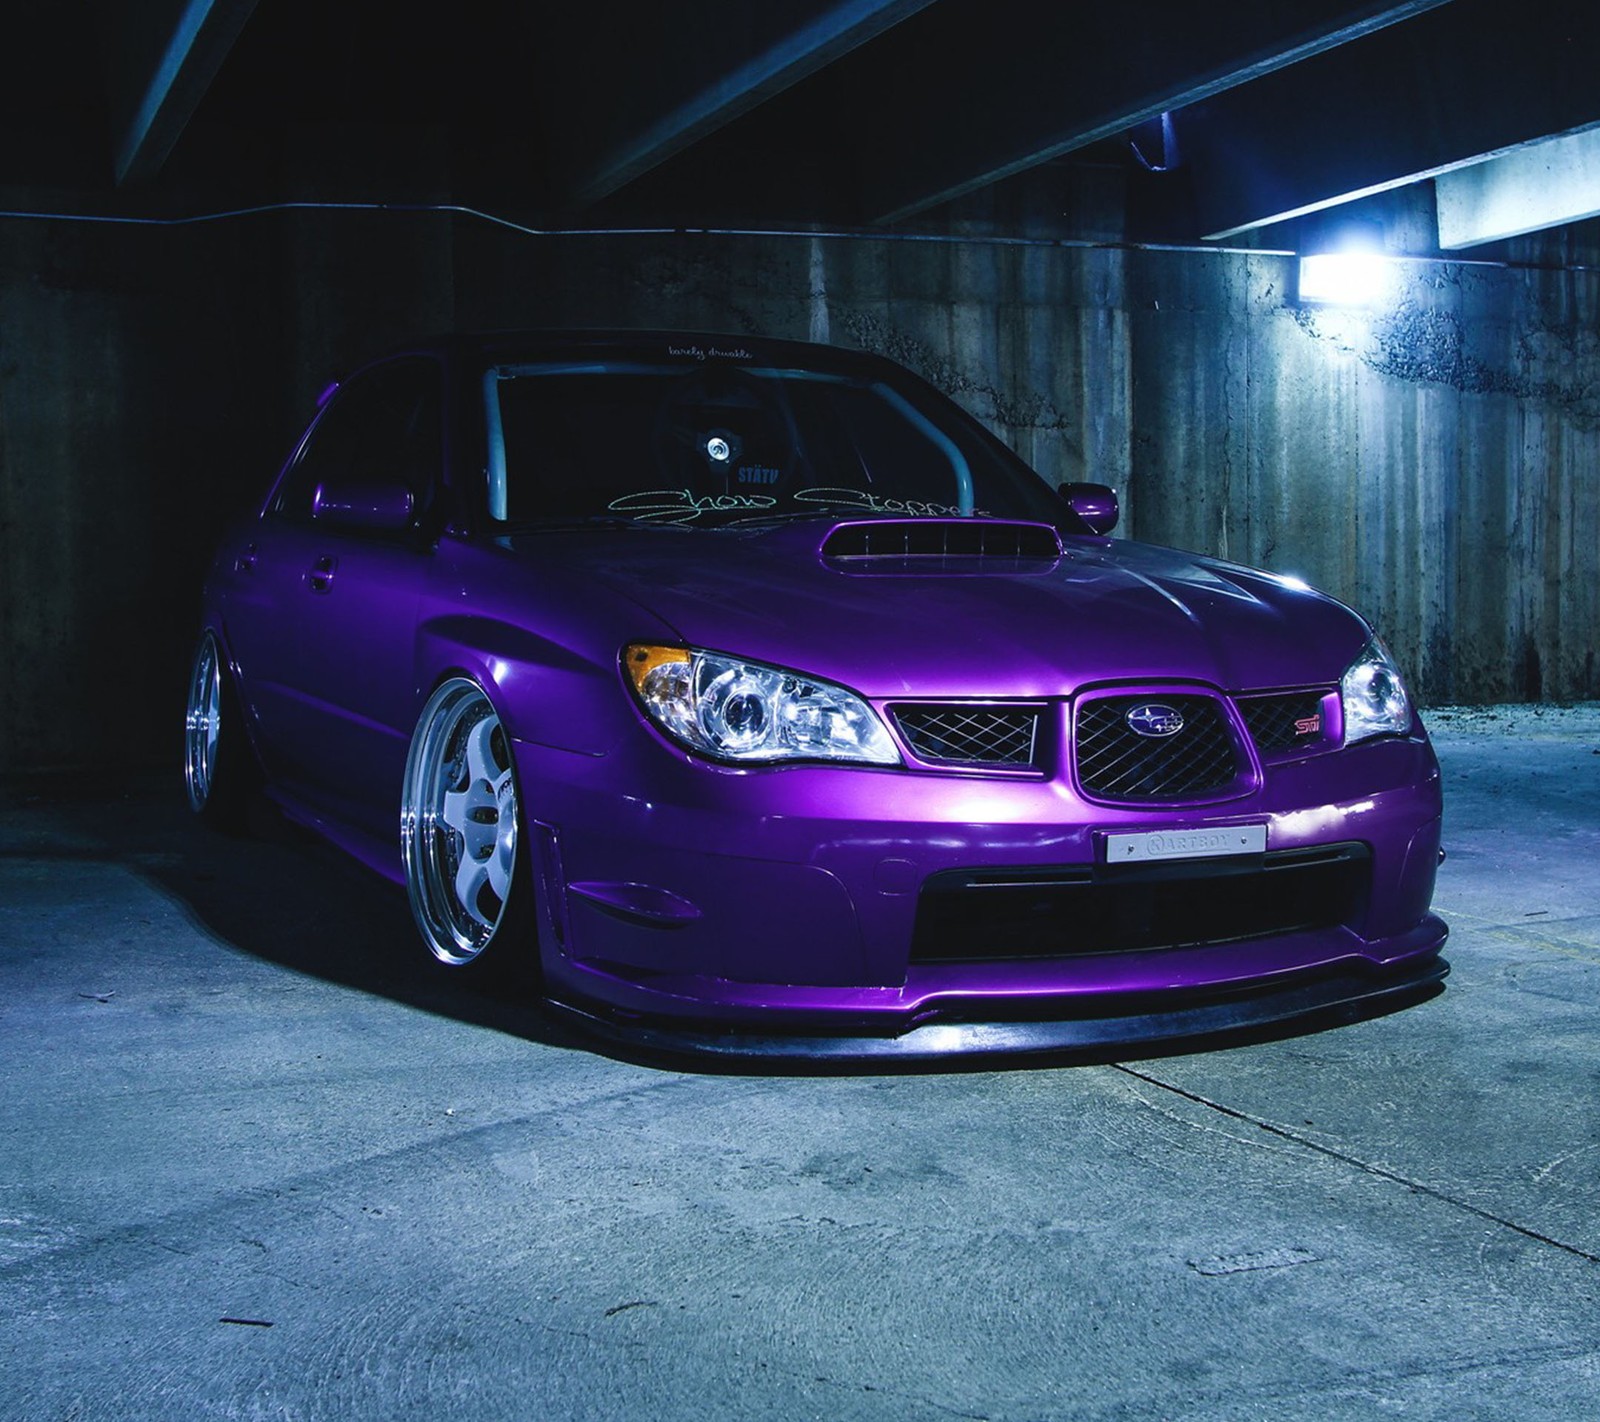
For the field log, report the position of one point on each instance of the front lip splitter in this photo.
(951, 1032)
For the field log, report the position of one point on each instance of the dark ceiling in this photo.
(1248, 123)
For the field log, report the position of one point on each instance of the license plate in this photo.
(1185, 844)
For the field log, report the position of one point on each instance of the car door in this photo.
(326, 635)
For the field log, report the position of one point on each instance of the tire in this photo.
(461, 836)
(219, 769)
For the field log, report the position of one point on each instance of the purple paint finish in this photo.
(638, 903)
(363, 507)
(1038, 685)
(1095, 504)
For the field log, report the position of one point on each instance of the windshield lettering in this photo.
(871, 503)
(680, 506)
(714, 353)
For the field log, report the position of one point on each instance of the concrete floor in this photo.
(256, 1162)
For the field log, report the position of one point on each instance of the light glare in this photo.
(1346, 278)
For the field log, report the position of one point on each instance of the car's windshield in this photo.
(718, 443)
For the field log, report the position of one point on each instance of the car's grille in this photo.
(1291, 720)
(992, 915)
(970, 735)
(1115, 762)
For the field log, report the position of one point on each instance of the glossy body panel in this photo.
(875, 834)
(674, 886)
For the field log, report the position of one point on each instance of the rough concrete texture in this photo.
(1431, 462)
(255, 1162)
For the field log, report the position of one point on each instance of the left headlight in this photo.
(1375, 699)
(744, 711)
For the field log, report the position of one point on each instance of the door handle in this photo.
(246, 561)
(321, 575)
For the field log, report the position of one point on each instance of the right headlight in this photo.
(1375, 699)
(743, 711)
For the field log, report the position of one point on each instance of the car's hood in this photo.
(1107, 610)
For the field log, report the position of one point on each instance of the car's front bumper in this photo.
(687, 901)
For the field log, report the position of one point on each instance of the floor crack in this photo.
(1346, 1158)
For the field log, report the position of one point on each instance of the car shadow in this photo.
(284, 896)
(277, 893)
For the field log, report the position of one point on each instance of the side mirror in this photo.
(1095, 504)
(365, 507)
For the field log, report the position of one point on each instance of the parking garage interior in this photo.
(259, 1159)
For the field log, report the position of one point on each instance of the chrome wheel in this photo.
(219, 769)
(202, 724)
(458, 822)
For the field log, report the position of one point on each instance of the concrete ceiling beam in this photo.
(163, 55)
(1417, 101)
(994, 88)
(1541, 185)
(678, 73)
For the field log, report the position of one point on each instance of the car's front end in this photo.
(946, 802)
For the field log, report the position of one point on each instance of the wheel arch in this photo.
(444, 911)
(541, 689)
(214, 624)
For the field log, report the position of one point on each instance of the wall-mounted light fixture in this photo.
(1346, 264)
(1348, 277)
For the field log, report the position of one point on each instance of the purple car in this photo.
(756, 699)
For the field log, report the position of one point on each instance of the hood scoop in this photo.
(948, 545)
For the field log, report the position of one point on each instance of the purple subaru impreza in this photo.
(756, 699)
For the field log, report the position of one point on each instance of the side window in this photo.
(382, 427)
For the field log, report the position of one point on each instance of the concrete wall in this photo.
(132, 377)
(1434, 464)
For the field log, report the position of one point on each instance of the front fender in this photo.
(543, 691)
